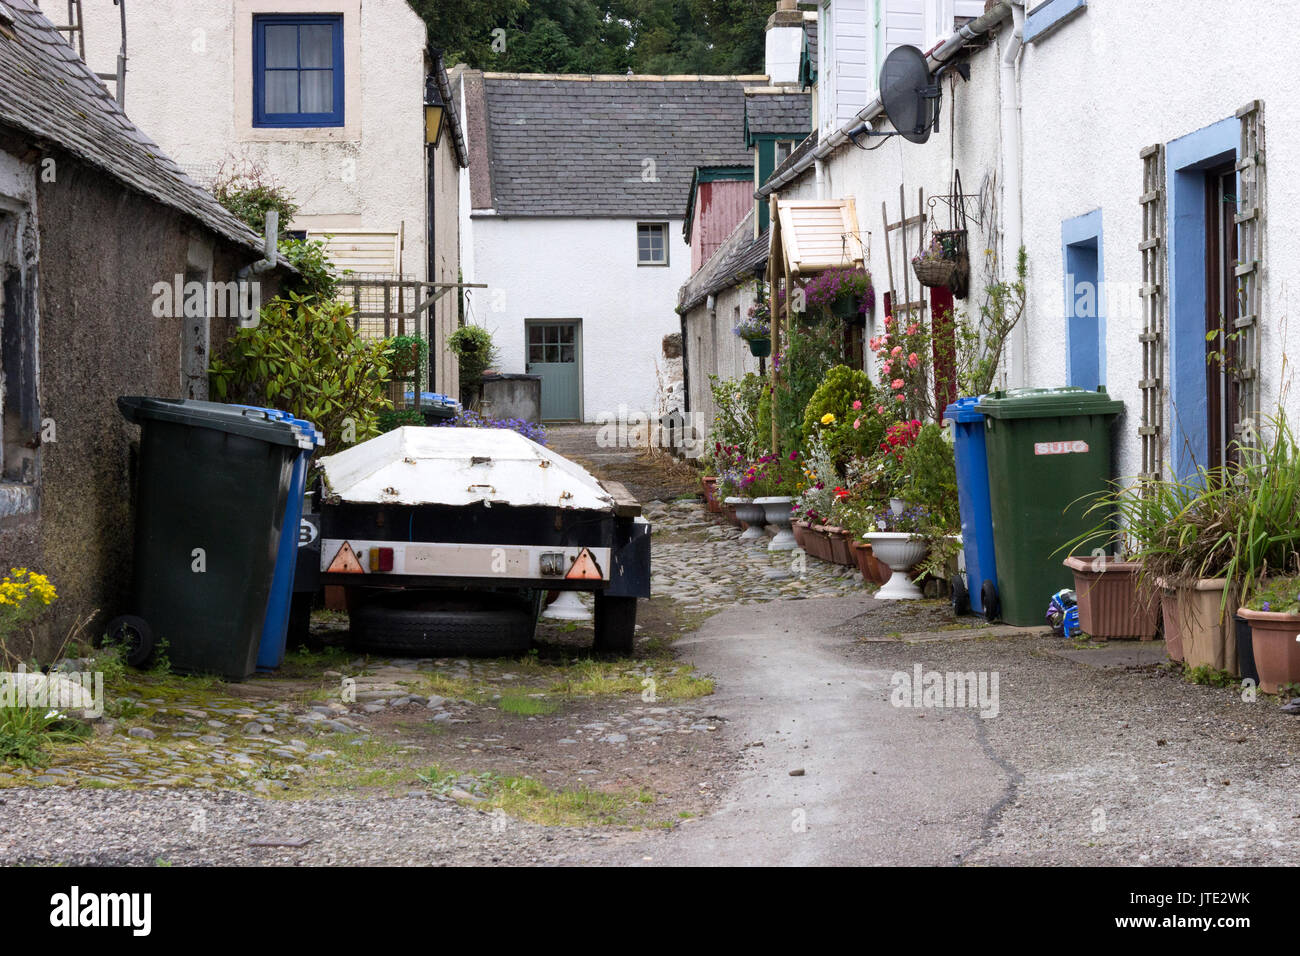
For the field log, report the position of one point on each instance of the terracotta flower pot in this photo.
(841, 546)
(873, 572)
(1207, 632)
(1172, 628)
(818, 542)
(800, 529)
(1277, 652)
(1110, 602)
(711, 494)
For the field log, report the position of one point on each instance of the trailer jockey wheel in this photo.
(615, 624)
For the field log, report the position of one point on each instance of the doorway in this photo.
(555, 353)
(1221, 385)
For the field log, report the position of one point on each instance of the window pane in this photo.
(566, 353)
(317, 91)
(552, 334)
(566, 333)
(534, 334)
(553, 353)
(535, 353)
(282, 91)
(281, 45)
(316, 45)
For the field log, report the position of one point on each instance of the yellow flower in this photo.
(828, 418)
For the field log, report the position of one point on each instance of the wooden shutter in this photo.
(1250, 266)
(1152, 337)
(363, 251)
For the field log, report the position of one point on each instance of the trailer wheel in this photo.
(497, 627)
(615, 624)
(134, 636)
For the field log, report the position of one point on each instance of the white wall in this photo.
(713, 349)
(1096, 92)
(874, 177)
(189, 86)
(580, 269)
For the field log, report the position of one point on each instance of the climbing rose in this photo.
(896, 383)
(912, 360)
(896, 349)
(857, 423)
(898, 398)
(880, 409)
(856, 405)
(913, 329)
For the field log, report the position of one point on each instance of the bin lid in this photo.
(1065, 402)
(964, 411)
(236, 419)
(312, 436)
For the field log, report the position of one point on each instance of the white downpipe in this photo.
(820, 168)
(1013, 218)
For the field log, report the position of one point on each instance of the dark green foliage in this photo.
(474, 350)
(931, 482)
(398, 417)
(810, 353)
(316, 276)
(601, 36)
(250, 192)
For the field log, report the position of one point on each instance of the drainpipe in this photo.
(820, 168)
(1013, 224)
(271, 250)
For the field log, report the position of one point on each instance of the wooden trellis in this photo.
(1250, 265)
(1152, 337)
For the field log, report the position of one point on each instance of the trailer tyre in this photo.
(615, 624)
(482, 632)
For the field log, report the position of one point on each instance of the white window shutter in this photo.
(905, 22)
(852, 83)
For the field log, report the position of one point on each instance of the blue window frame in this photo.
(298, 70)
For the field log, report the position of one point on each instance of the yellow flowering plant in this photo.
(24, 596)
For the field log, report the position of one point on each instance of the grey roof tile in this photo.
(778, 113)
(48, 93)
(582, 147)
(733, 262)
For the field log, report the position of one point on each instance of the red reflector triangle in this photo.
(584, 568)
(345, 562)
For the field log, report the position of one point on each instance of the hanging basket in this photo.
(934, 272)
(760, 348)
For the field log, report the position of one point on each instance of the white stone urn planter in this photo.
(752, 515)
(901, 552)
(779, 514)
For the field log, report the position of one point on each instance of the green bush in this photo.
(811, 352)
(305, 358)
(474, 350)
(836, 395)
(317, 278)
(735, 419)
(410, 354)
(246, 189)
(931, 482)
(398, 417)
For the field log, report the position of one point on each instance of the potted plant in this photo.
(774, 480)
(899, 543)
(1274, 615)
(1111, 603)
(935, 265)
(756, 329)
(846, 293)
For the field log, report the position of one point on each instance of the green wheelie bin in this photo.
(213, 484)
(1047, 449)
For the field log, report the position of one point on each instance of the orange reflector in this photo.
(345, 562)
(381, 559)
(584, 568)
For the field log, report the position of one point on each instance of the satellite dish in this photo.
(909, 93)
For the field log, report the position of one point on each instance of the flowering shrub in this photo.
(825, 288)
(730, 464)
(821, 489)
(902, 355)
(24, 596)
(469, 419)
(757, 324)
(772, 475)
(911, 520)
(843, 414)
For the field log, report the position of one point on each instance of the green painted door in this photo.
(554, 353)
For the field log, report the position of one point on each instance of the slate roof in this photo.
(733, 262)
(778, 113)
(48, 93)
(583, 145)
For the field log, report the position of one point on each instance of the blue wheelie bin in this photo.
(973, 500)
(275, 626)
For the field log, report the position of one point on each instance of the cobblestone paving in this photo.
(700, 561)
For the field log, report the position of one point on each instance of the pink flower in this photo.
(913, 329)
(912, 360)
(880, 409)
(896, 349)
(857, 422)
(887, 367)
(896, 383)
(857, 404)
(874, 343)
(898, 397)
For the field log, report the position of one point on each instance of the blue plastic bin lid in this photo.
(963, 410)
(432, 398)
(309, 437)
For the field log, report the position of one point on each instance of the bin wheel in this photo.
(989, 597)
(960, 595)
(615, 624)
(134, 635)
